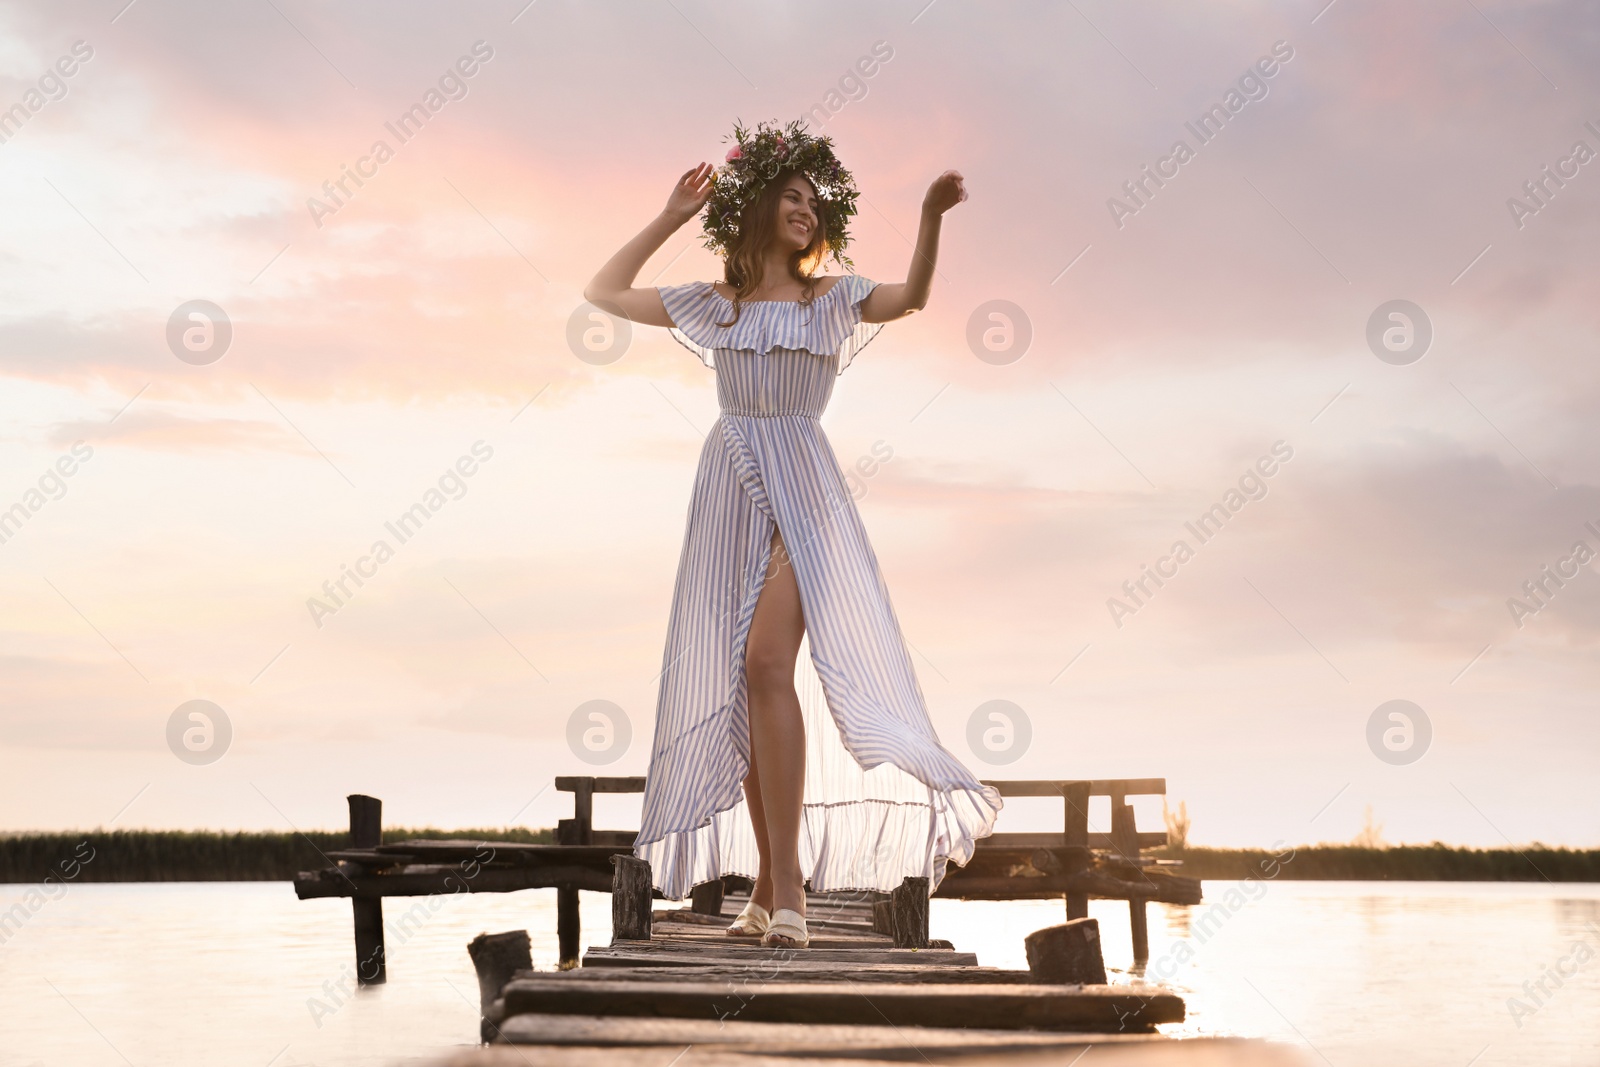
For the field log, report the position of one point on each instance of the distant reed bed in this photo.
(208, 856)
(199, 856)
(1402, 863)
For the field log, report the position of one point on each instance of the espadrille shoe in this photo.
(752, 921)
(790, 924)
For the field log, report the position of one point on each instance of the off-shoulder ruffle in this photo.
(831, 326)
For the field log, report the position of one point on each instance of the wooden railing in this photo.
(1078, 863)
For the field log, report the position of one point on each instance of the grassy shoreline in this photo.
(1400, 863)
(202, 856)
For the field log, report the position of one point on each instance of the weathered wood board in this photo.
(731, 969)
(603, 1041)
(1115, 1009)
(669, 952)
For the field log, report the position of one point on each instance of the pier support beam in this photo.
(706, 899)
(366, 831)
(1125, 840)
(1140, 924)
(578, 830)
(1068, 954)
(631, 897)
(568, 926)
(1076, 802)
(496, 957)
(908, 913)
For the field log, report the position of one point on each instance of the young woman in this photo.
(846, 783)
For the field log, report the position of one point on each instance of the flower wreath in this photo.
(755, 159)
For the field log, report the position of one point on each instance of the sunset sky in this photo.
(1176, 340)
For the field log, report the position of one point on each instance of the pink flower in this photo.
(734, 153)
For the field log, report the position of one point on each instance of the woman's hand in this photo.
(612, 289)
(896, 300)
(945, 193)
(690, 194)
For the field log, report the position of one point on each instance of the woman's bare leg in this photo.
(777, 729)
(762, 892)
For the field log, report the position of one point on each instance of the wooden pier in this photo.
(673, 988)
(1073, 864)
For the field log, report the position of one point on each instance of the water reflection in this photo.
(1387, 972)
(204, 973)
(1176, 917)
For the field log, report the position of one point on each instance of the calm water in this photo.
(240, 973)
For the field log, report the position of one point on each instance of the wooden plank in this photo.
(795, 970)
(506, 852)
(843, 900)
(369, 857)
(566, 832)
(418, 881)
(1002, 889)
(1154, 885)
(827, 927)
(1099, 787)
(688, 923)
(684, 916)
(1030, 841)
(671, 953)
(1167, 889)
(608, 1034)
(572, 783)
(819, 905)
(594, 1041)
(821, 937)
(718, 941)
(1038, 1007)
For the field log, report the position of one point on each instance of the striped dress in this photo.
(883, 799)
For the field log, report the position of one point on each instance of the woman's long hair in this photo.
(758, 223)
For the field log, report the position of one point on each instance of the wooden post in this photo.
(583, 811)
(1124, 836)
(1125, 840)
(1067, 954)
(1075, 796)
(496, 957)
(366, 831)
(578, 831)
(1140, 922)
(569, 929)
(706, 898)
(631, 895)
(908, 909)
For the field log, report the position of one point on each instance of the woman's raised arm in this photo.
(612, 289)
(896, 300)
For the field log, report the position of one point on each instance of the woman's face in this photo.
(798, 214)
